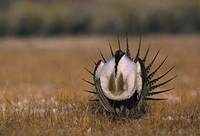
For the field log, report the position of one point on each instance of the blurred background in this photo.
(69, 17)
(45, 45)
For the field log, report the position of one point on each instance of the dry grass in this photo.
(40, 84)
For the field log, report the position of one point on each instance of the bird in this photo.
(123, 84)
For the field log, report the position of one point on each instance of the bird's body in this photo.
(123, 83)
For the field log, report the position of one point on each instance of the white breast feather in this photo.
(127, 68)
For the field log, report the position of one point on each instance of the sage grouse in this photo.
(124, 84)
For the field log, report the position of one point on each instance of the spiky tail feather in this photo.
(148, 82)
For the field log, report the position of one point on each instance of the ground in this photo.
(41, 87)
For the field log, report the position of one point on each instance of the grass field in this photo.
(41, 87)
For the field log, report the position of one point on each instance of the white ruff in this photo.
(130, 72)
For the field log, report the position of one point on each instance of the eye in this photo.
(123, 83)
